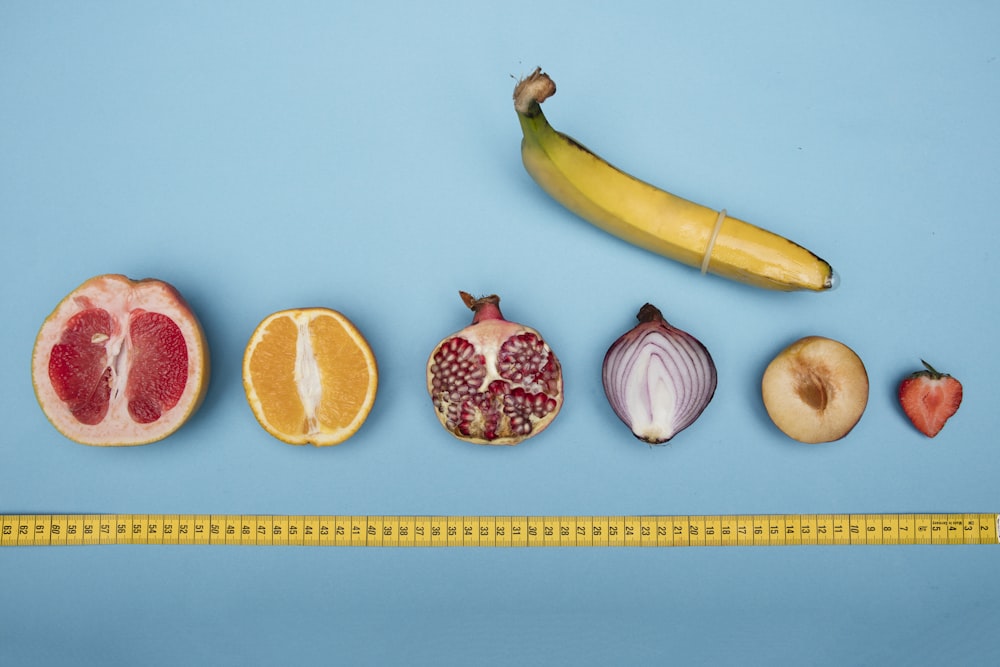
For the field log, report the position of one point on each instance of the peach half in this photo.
(815, 390)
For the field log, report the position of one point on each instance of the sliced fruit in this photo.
(815, 390)
(929, 399)
(310, 376)
(120, 362)
(494, 382)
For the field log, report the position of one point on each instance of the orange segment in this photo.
(309, 376)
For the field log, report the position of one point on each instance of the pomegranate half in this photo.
(494, 382)
(120, 362)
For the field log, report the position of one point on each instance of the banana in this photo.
(651, 218)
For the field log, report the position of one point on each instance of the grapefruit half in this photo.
(120, 362)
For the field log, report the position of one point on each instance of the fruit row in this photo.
(125, 362)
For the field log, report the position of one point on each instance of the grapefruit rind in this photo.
(119, 295)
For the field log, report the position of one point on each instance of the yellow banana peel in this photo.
(651, 218)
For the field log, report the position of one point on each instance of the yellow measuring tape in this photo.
(498, 531)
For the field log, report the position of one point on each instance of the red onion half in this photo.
(658, 379)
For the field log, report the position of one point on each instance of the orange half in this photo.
(310, 376)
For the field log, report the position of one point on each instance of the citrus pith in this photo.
(310, 376)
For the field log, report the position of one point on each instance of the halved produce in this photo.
(815, 390)
(310, 376)
(120, 362)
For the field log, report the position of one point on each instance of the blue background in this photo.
(365, 157)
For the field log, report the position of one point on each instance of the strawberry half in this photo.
(929, 399)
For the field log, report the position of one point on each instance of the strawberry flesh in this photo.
(929, 399)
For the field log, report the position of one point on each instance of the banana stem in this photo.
(531, 91)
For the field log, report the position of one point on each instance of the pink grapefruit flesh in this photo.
(120, 362)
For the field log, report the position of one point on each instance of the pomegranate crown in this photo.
(484, 307)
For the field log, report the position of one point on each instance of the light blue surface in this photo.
(262, 156)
